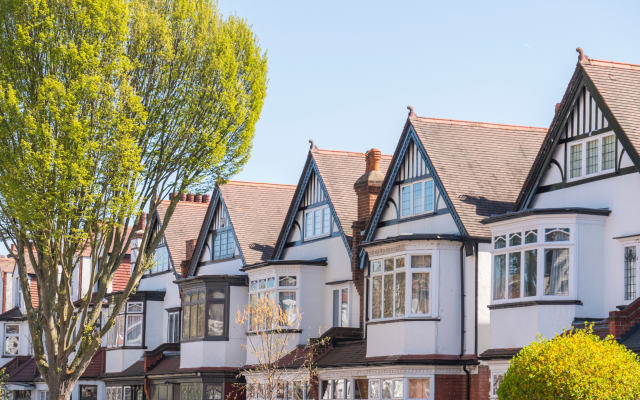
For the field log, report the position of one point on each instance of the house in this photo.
(568, 252)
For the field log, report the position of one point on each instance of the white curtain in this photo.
(557, 270)
(134, 330)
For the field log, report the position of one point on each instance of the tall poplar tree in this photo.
(106, 107)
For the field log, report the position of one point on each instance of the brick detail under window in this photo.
(450, 387)
(620, 322)
(481, 384)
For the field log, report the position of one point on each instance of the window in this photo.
(595, 154)
(630, 260)
(190, 391)
(285, 295)
(420, 389)
(22, 394)
(213, 391)
(11, 339)
(516, 269)
(44, 395)
(127, 327)
(161, 260)
(114, 393)
(162, 392)
(173, 327)
(317, 222)
(341, 307)
(223, 245)
(418, 202)
(496, 380)
(204, 313)
(392, 284)
(386, 389)
(88, 392)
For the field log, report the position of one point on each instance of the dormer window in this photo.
(417, 198)
(161, 259)
(223, 244)
(317, 223)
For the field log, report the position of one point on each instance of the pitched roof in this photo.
(256, 211)
(7, 264)
(97, 365)
(13, 315)
(25, 372)
(482, 166)
(184, 225)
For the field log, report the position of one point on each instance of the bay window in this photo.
(394, 388)
(517, 265)
(204, 313)
(417, 198)
(285, 295)
(593, 155)
(399, 288)
(127, 327)
(317, 222)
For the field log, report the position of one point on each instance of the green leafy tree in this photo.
(106, 107)
(572, 366)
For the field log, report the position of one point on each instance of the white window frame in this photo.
(433, 280)
(4, 344)
(276, 289)
(625, 244)
(341, 288)
(541, 246)
(125, 313)
(43, 394)
(583, 142)
(405, 385)
(175, 339)
(410, 186)
(312, 236)
(493, 392)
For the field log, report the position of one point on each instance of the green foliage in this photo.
(573, 365)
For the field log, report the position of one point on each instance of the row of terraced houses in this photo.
(427, 269)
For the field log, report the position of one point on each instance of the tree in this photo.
(280, 368)
(106, 107)
(574, 365)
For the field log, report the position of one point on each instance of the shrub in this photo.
(574, 365)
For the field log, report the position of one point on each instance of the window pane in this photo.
(344, 310)
(134, 307)
(213, 392)
(630, 273)
(608, 152)
(388, 295)
(376, 297)
(11, 345)
(499, 242)
(271, 282)
(317, 223)
(499, 272)
(428, 196)
(592, 157)
(530, 272)
(531, 237)
(134, 330)
(399, 263)
(216, 320)
(417, 198)
(397, 389)
(514, 275)
(216, 248)
(374, 389)
(388, 265)
(377, 267)
(325, 220)
(288, 281)
(263, 284)
(419, 388)
(253, 324)
(12, 329)
(201, 320)
(185, 322)
(338, 390)
(556, 271)
(309, 229)
(556, 234)
(216, 294)
(576, 161)
(420, 293)
(420, 261)
(406, 201)
(288, 305)
(401, 285)
(386, 389)
(194, 320)
(515, 239)
(336, 308)
(230, 245)
(120, 337)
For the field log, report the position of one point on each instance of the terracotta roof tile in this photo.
(7, 264)
(185, 225)
(256, 211)
(97, 364)
(482, 166)
(26, 372)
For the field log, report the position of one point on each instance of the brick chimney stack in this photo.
(367, 188)
(190, 248)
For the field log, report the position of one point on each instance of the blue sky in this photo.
(343, 72)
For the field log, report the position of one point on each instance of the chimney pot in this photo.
(142, 222)
(189, 197)
(198, 199)
(183, 197)
(205, 198)
(13, 248)
(373, 160)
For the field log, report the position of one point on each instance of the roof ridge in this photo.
(479, 124)
(346, 153)
(167, 201)
(614, 64)
(260, 184)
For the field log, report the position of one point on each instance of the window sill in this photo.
(126, 347)
(309, 239)
(402, 320)
(282, 331)
(223, 338)
(416, 216)
(523, 304)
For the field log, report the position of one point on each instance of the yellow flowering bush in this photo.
(574, 365)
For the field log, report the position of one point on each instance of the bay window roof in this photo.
(545, 211)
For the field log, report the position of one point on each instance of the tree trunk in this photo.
(59, 390)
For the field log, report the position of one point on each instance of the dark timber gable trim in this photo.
(157, 221)
(310, 167)
(389, 182)
(579, 79)
(205, 229)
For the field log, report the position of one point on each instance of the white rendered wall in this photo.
(229, 266)
(484, 297)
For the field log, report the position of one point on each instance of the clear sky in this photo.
(343, 72)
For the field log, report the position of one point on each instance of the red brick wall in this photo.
(621, 321)
(33, 288)
(481, 384)
(451, 387)
(4, 292)
(121, 278)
